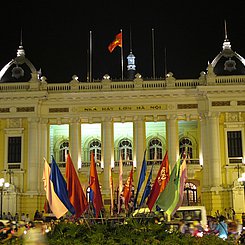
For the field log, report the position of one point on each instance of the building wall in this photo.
(202, 110)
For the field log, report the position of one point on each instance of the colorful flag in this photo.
(95, 187)
(147, 190)
(117, 42)
(161, 181)
(55, 204)
(120, 185)
(60, 186)
(111, 193)
(128, 188)
(183, 178)
(169, 198)
(141, 179)
(75, 191)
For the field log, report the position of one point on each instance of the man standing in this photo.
(222, 228)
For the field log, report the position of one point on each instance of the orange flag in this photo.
(117, 42)
(160, 182)
(95, 187)
(75, 191)
(128, 188)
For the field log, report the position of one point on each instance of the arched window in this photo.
(155, 150)
(63, 151)
(126, 150)
(186, 147)
(95, 147)
(190, 194)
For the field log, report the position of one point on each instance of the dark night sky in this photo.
(56, 35)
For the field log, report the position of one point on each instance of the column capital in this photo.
(203, 116)
(139, 118)
(74, 120)
(44, 120)
(213, 114)
(107, 119)
(33, 120)
(171, 117)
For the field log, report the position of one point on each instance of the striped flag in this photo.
(54, 202)
(60, 186)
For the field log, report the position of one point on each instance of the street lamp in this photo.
(3, 185)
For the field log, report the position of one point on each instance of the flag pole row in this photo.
(65, 195)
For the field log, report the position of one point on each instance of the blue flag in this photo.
(141, 178)
(147, 190)
(60, 186)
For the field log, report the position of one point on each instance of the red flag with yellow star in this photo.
(117, 42)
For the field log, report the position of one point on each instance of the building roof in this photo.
(18, 69)
(228, 62)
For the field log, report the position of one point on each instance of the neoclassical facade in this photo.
(202, 117)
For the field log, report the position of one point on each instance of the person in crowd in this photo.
(197, 229)
(4, 216)
(222, 228)
(9, 216)
(183, 227)
(232, 213)
(37, 215)
(212, 223)
(226, 214)
(243, 219)
(23, 217)
(27, 218)
(232, 229)
(41, 215)
(5, 233)
(16, 217)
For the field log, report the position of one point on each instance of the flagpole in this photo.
(153, 53)
(90, 56)
(122, 56)
(165, 62)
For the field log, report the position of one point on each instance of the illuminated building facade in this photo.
(202, 117)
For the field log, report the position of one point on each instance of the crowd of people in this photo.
(224, 225)
(16, 226)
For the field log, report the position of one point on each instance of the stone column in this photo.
(43, 148)
(107, 152)
(139, 144)
(75, 142)
(172, 140)
(213, 143)
(203, 151)
(33, 175)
